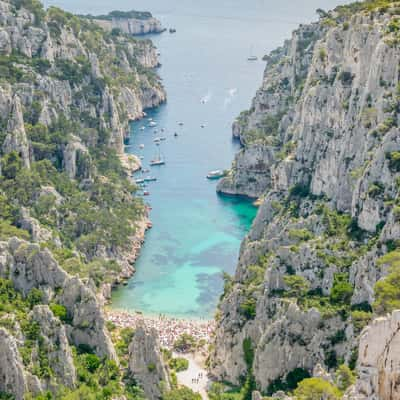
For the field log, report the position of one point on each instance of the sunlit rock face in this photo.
(318, 143)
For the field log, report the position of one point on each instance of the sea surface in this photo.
(196, 234)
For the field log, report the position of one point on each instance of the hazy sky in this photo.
(285, 10)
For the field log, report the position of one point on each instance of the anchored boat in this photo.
(158, 160)
(217, 174)
(252, 57)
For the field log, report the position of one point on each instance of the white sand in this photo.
(185, 377)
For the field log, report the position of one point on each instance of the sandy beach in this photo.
(168, 329)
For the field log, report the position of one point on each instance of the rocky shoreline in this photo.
(127, 259)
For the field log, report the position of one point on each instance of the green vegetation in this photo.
(342, 290)
(59, 311)
(301, 235)
(178, 364)
(360, 319)
(185, 343)
(298, 286)
(34, 6)
(248, 308)
(122, 339)
(122, 14)
(387, 290)
(249, 384)
(344, 377)
(181, 394)
(394, 160)
(219, 391)
(266, 131)
(316, 389)
(90, 214)
(293, 378)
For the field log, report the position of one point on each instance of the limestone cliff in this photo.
(378, 361)
(320, 145)
(146, 364)
(68, 90)
(43, 339)
(129, 22)
(69, 218)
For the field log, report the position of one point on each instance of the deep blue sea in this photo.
(196, 234)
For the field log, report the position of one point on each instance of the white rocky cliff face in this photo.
(378, 361)
(146, 363)
(27, 267)
(319, 145)
(70, 224)
(132, 26)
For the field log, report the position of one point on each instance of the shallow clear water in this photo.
(196, 234)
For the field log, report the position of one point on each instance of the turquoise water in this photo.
(196, 234)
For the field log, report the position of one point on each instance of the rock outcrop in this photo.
(70, 224)
(67, 94)
(54, 340)
(319, 149)
(12, 376)
(131, 22)
(146, 364)
(378, 363)
(16, 139)
(29, 267)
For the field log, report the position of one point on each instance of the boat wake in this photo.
(229, 98)
(205, 99)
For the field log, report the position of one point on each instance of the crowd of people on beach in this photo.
(168, 329)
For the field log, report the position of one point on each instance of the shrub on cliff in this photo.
(316, 389)
(341, 290)
(387, 290)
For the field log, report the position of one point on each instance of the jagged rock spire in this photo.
(16, 139)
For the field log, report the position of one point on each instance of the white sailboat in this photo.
(252, 57)
(158, 160)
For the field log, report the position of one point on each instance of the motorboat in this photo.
(150, 179)
(217, 174)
